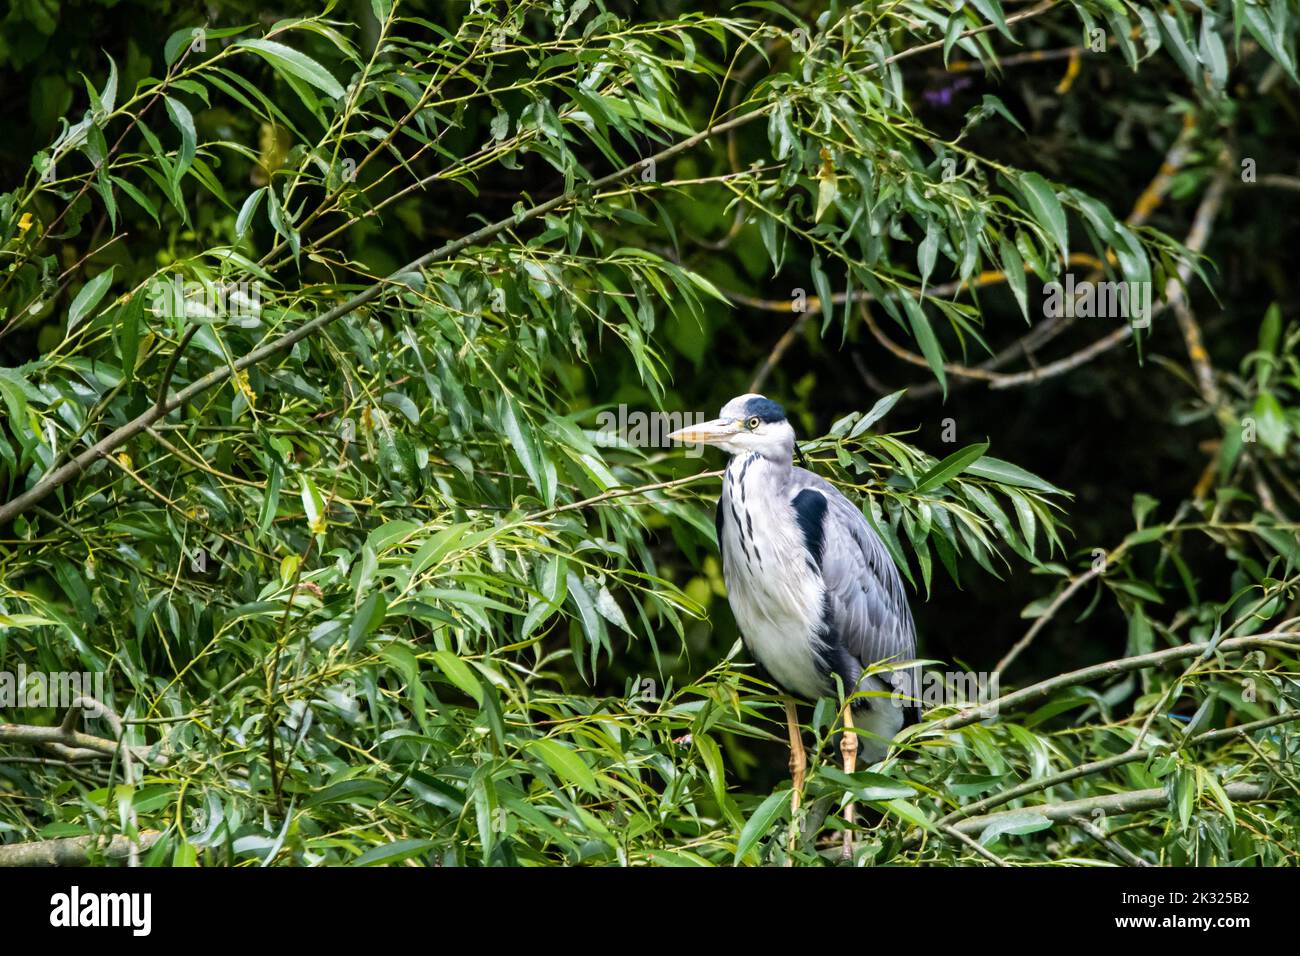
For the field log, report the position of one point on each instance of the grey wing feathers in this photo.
(868, 604)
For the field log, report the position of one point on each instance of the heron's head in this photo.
(750, 423)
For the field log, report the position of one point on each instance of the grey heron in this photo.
(813, 589)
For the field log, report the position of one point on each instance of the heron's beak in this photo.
(708, 433)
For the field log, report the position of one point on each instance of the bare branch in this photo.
(74, 851)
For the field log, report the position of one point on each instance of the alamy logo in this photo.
(637, 429)
(952, 689)
(1102, 300)
(59, 689)
(232, 303)
(73, 909)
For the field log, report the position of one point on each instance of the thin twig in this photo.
(1111, 804)
(1048, 614)
(177, 352)
(1108, 763)
(1123, 665)
(623, 493)
(978, 848)
(1097, 833)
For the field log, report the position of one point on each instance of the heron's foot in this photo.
(798, 766)
(849, 750)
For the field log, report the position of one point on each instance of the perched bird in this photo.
(811, 585)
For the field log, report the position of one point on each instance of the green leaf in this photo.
(567, 764)
(951, 466)
(1183, 795)
(993, 104)
(88, 297)
(825, 293)
(1180, 45)
(179, 41)
(459, 673)
(367, 619)
(760, 821)
(1047, 209)
(288, 60)
(136, 196)
(1271, 37)
(23, 621)
(1011, 824)
(1270, 330)
(521, 441)
(1271, 422)
(1212, 784)
(928, 250)
(128, 335)
(925, 338)
(909, 812)
(869, 786)
(183, 121)
(394, 852)
(1005, 473)
(878, 411)
(992, 12)
(404, 405)
(1013, 267)
(247, 211)
(1212, 52)
(437, 547)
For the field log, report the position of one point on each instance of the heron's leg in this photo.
(849, 751)
(798, 765)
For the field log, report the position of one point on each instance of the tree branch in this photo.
(1124, 665)
(1097, 833)
(1100, 766)
(82, 745)
(1111, 804)
(74, 851)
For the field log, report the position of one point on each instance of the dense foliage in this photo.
(308, 327)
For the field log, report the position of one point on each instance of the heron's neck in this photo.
(752, 468)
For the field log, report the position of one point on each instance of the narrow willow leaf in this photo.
(878, 411)
(129, 318)
(88, 297)
(1012, 824)
(760, 822)
(925, 338)
(1013, 267)
(247, 211)
(459, 673)
(288, 60)
(183, 120)
(568, 765)
(928, 250)
(1041, 196)
(367, 619)
(951, 466)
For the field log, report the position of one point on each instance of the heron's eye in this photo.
(752, 423)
